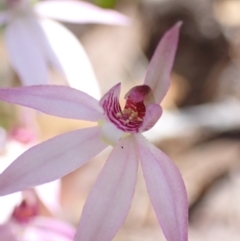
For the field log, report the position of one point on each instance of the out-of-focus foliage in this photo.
(106, 3)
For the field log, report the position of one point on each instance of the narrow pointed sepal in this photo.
(166, 190)
(110, 198)
(159, 69)
(55, 100)
(51, 160)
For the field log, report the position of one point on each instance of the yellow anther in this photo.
(135, 114)
(119, 114)
(127, 111)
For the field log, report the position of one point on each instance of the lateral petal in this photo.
(51, 160)
(79, 12)
(166, 190)
(73, 61)
(159, 69)
(55, 100)
(26, 56)
(153, 113)
(110, 198)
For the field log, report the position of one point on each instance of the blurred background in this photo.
(200, 128)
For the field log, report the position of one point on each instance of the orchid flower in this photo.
(26, 224)
(12, 150)
(34, 42)
(110, 199)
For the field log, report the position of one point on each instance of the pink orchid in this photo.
(34, 42)
(38, 229)
(110, 198)
(26, 224)
(12, 150)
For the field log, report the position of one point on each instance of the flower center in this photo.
(140, 113)
(133, 111)
(131, 117)
(25, 212)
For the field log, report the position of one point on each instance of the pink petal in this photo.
(55, 100)
(46, 229)
(166, 190)
(54, 226)
(152, 115)
(159, 69)
(79, 12)
(51, 160)
(7, 234)
(26, 56)
(110, 199)
(73, 61)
